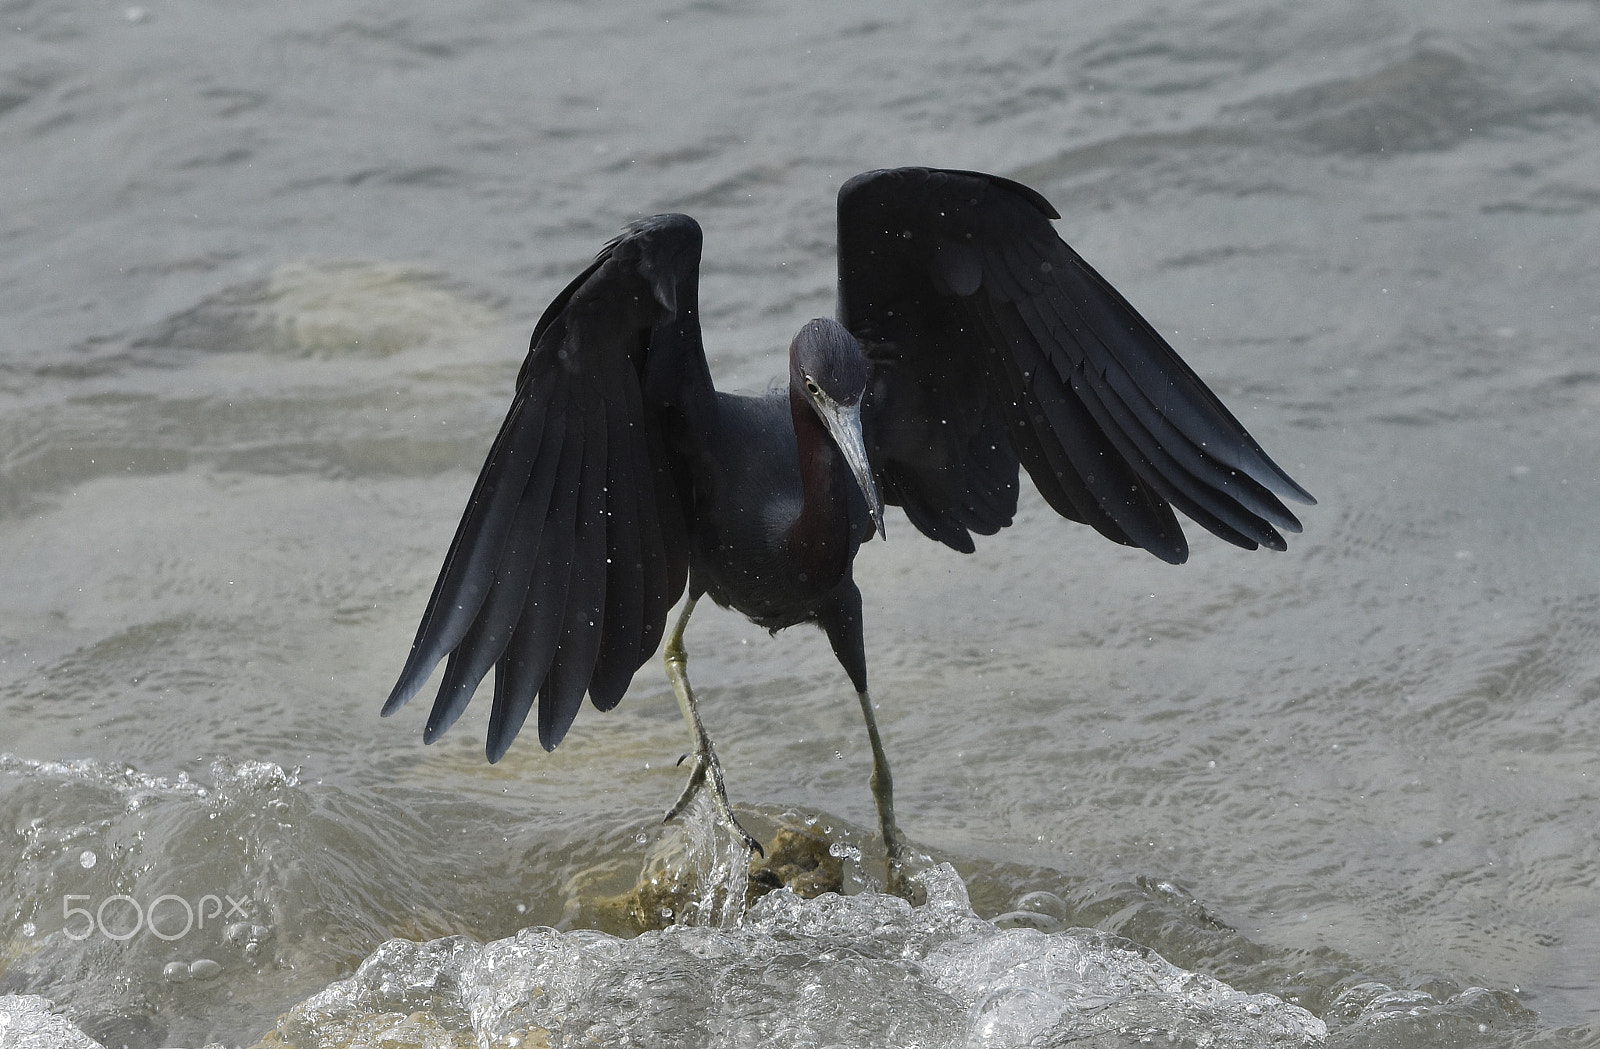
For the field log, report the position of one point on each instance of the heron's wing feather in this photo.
(571, 551)
(993, 342)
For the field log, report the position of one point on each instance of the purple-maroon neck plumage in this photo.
(819, 539)
(827, 378)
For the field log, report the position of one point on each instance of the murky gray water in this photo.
(267, 274)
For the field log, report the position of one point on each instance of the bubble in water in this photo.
(28, 929)
(87, 859)
(175, 972)
(1020, 919)
(1045, 903)
(204, 969)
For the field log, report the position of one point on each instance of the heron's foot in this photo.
(708, 770)
(898, 868)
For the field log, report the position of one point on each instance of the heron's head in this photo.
(829, 371)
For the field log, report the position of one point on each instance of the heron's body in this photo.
(748, 549)
(971, 342)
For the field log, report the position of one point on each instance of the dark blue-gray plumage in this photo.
(970, 339)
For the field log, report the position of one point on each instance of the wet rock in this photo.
(797, 859)
(669, 890)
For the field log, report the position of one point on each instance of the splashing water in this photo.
(862, 970)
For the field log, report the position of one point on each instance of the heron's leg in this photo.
(706, 766)
(883, 794)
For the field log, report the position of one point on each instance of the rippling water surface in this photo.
(268, 272)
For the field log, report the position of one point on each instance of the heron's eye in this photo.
(812, 388)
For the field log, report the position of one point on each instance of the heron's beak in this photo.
(844, 423)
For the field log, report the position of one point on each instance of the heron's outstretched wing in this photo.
(571, 551)
(993, 342)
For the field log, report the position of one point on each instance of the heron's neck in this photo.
(819, 539)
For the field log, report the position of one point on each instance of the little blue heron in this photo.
(970, 339)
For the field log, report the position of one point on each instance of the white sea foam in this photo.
(838, 970)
